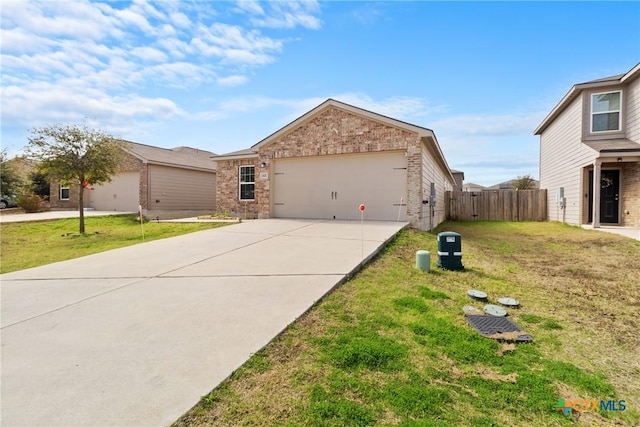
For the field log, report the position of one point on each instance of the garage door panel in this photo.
(334, 186)
(121, 194)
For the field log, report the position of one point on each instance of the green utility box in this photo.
(450, 251)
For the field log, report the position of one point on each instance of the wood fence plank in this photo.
(498, 205)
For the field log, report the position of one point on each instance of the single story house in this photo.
(590, 153)
(166, 183)
(332, 159)
(472, 187)
(508, 185)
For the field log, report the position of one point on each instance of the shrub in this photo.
(30, 203)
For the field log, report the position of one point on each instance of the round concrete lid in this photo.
(495, 310)
(509, 302)
(476, 294)
(468, 308)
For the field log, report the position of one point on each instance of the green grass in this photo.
(391, 346)
(31, 244)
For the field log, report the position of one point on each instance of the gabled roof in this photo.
(421, 131)
(577, 89)
(183, 157)
(472, 185)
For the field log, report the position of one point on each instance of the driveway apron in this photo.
(135, 336)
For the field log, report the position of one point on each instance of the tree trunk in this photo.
(81, 207)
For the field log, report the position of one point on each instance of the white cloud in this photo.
(233, 44)
(289, 14)
(232, 80)
(250, 6)
(19, 41)
(62, 19)
(119, 62)
(177, 74)
(42, 103)
(180, 19)
(149, 54)
(484, 124)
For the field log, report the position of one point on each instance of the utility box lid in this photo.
(448, 241)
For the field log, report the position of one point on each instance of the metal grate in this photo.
(490, 326)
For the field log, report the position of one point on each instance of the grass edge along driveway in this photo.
(31, 244)
(391, 347)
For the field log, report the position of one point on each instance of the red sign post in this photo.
(362, 208)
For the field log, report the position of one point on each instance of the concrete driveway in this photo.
(135, 336)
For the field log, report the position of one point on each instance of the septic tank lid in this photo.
(495, 310)
(476, 294)
(509, 302)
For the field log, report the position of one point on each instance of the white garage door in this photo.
(121, 194)
(333, 187)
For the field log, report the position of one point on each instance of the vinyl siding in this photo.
(431, 172)
(181, 189)
(633, 110)
(562, 157)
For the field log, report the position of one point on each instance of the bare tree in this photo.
(524, 183)
(77, 155)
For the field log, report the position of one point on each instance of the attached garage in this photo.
(333, 187)
(166, 183)
(327, 162)
(117, 195)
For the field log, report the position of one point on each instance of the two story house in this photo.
(590, 153)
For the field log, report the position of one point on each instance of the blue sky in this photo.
(222, 75)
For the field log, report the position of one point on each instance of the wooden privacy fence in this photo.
(496, 205)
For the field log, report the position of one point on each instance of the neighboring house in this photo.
(458, 177)
(471, 187)
(332, 159)
(590, 153)
(166, 183)
(508, 185)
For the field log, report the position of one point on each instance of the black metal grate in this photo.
(488, 326)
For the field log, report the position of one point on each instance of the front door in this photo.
(609, 196)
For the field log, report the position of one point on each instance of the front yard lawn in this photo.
(391, 346)
(31, 244)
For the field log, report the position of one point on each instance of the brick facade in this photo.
(228, 189)
(331, 131)
(630, 194)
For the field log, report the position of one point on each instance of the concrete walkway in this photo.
(49, 215)
(135, 336)
(631, 232)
